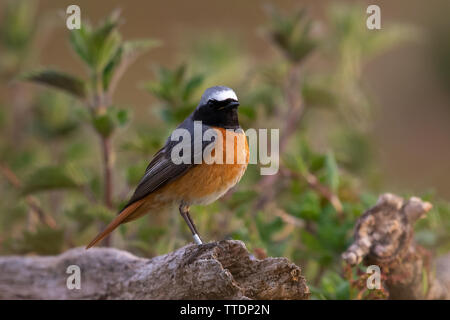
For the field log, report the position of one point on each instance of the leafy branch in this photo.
(106, 57)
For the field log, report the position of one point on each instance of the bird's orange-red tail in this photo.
(116, 222)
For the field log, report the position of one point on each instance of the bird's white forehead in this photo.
(222, 95)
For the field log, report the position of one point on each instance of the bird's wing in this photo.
(162, 169)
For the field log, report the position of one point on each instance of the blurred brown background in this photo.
(411, 132)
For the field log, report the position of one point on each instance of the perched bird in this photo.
(166, 183)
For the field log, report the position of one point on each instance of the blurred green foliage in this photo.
(56, 158)
(17, 30)
(175, 89)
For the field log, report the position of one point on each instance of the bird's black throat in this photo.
(226, 118)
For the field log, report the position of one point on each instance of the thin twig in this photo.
(289, 219)
(99, 107)
(108, 177)
(314, 183)
(107, 167)
(120, 71)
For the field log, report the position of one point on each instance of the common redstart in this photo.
(168, 182)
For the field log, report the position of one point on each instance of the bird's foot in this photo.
(198, 250)
(197, 239)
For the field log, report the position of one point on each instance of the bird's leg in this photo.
(192, 222)
(184, 211)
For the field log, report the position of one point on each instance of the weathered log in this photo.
(218, 270)
(384, 237)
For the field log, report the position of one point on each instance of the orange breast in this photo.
(205, 183)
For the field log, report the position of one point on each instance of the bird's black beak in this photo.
(232, 104)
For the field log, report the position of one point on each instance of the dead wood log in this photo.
(218, 270)
(383, 236)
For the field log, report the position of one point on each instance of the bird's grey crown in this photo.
(219, 93)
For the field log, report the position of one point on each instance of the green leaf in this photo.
(134, 47)
(311, 242)
(101, 34)
(76, 151)
(49, 178)
(80, 41)
(175, 88)
(123, 117)
(58, 80)
(44, 241)
(334, 286)
(100, 212)
(86, 214)
(176, 115)
(191, 85)
(267, 229)
(54, 115)
(292, 33)
(18, 25)
(318, 93)
(104, 124)
(97, 47)
(242, 198)
(179, 73)
(105, 51)
(296, 163)
(144, 142)
(107, 122)
(343, 291)
(110, 68)
(124, 57)
(248, 111)
(135, 172)
(307, 207)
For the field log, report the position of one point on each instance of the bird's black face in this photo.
(218, 113)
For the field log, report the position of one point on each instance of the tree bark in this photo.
(218, 270)
(384, 237)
